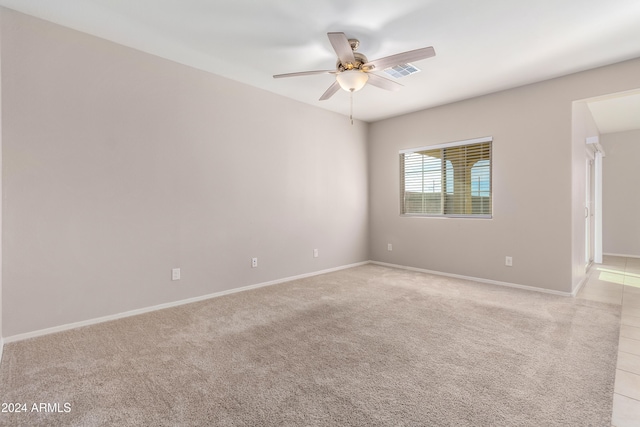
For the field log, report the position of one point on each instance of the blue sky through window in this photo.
(480, 179)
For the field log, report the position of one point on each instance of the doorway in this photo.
(588, 211)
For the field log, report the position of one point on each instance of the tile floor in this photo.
(617, 281)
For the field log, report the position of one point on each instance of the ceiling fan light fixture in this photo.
(352, 80)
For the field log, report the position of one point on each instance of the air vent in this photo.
(402, 70)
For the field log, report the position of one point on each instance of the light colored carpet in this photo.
(367, 346)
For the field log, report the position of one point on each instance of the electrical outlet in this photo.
(316, 254)
(175, 274)
(389, 247)
(254, 262)
(508, 261)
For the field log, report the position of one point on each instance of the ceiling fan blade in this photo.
(401, 58)
(329, 92)
(342, 47)
(383, 82)
(304, 73)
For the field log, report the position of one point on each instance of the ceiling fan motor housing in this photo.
(357, 65)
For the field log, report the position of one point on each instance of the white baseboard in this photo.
(60, 328)
(580, 284)
(476, 279)
(623, 255)
(47, 331)
(1, 348)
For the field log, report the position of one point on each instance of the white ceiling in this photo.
(616, 113)
(481, 46)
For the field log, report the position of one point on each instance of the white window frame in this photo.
(467, 142)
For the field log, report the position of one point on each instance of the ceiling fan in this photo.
(353, 69)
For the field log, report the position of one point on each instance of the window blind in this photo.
(447, 180)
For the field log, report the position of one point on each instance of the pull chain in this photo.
(351, 105)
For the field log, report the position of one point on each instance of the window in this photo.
(447, 180)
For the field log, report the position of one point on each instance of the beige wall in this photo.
(119, 166)
(621, 198)
(538, 184)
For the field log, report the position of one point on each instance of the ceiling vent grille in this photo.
(402, 70)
